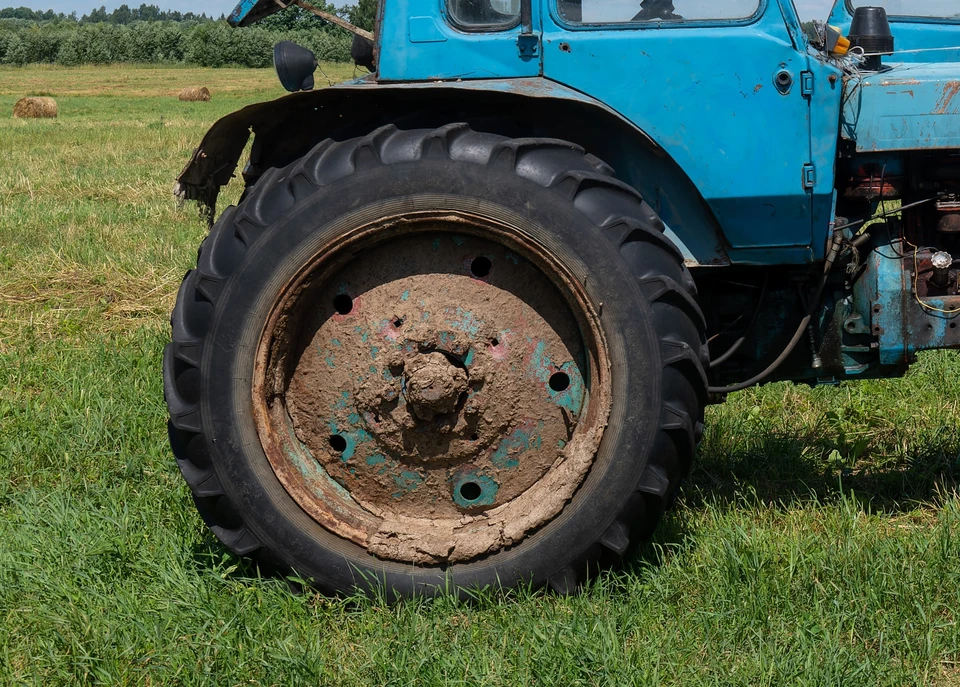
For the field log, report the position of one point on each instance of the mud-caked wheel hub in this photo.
(432, 395)
(433, 385)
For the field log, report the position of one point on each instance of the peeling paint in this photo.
(464, 321)
(524, 438)
(488, 488)
(950, 90)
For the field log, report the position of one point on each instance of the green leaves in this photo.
(205, 44)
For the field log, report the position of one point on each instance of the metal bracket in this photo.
(528, 46)
(809, 176)
(806, 84)
(528, 43)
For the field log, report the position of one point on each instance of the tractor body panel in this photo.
(909, 107)
(419, 42)
(745, 140)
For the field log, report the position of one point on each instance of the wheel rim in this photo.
(433, 388)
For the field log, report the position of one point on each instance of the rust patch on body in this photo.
(900, 82)
(950, 90)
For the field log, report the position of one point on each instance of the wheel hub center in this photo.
(434, 385)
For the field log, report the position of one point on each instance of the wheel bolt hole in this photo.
(560, 381)
(343, 304)
(480, 267)
(397, 323)
(338, 443)
(494, 342)
(470, 491)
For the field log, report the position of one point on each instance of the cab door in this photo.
(458, 39)
(725, 88)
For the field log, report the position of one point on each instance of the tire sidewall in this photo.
(281, 252)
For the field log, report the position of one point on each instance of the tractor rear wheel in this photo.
(424, 359)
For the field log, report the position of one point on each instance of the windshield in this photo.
(944, 9)
(484, 15)
(625, 11)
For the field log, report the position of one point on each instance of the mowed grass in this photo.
(818, 542)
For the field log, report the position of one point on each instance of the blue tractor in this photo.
(462, 326)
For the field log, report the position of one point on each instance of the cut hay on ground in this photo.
(195, 94)
(35, 108)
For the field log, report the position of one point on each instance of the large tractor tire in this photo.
(436, 359)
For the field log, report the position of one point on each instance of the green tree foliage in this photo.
(149, 35)
(28, 14)
(94, 44)
(126, 15)
(32, 44)
(298, 18)
(363, 14)
(156, 42)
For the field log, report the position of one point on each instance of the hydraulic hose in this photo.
(753, 320)
(801, 330)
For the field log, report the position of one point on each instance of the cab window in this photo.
(484, 15)
(628, 11)
(942, 9)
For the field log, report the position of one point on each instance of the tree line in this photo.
(122, 15)
(149, 35)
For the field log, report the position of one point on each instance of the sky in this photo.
(809, 9)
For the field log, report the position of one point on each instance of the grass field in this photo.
(818, 542)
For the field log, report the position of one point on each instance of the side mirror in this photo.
(295, 66)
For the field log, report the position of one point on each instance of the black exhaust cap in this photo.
(870, 30)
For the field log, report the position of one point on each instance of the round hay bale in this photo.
(195, 94)
(35, 108)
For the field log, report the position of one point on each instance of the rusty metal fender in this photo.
(287, 128)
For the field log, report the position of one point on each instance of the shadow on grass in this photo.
(775, 470)
(791, 471)
(893, 476)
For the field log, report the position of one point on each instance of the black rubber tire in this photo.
(563, 197)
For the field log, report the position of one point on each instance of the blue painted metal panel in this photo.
(251, 11)
(825, 104)
(902, 325)
(910, 107)
(707, 95)
(889, 285)
(420, 44)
